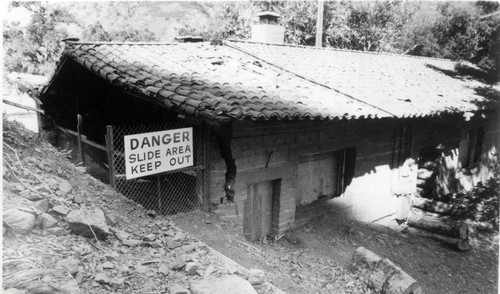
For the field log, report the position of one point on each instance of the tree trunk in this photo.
(460, 244)
(432, 206)
(382, 274)
(457, 230)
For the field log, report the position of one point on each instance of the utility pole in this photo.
(319, 24)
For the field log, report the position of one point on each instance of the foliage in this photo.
(35, 48)
(463, 34)
(367, 26)
(481, 203)
(96, 32)
(457, 30)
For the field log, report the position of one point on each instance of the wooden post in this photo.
(79, 126)
(111, 163)
(319, 24)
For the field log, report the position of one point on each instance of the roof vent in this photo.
(268, 29)
(189, 39)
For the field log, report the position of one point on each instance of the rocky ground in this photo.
(66, 232)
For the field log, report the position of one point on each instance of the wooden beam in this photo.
(79, 126)
(23, 106)
(111, 163)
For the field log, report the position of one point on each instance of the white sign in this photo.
(157, 152)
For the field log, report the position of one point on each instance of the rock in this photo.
(19, 221)
(177, 289)
(78, 198)
(81, 169)
(108, 265)
(71, 264)
(80, 220)
(155, 244)
(132, 242)
(64, 187)
(179, 262)
(267, 288)
(121, 235)
(42, 205)
(142, 269)
(102, 278)
(191, 268)
(116, 281)
(169, 232)
(227, 284)
(180, 236)
(61, 210)
(151, 213)
(79, 277)
(47, 221)
(256, 276)
(171, 243)
(149, 238)
(31, 195)
(164, 270)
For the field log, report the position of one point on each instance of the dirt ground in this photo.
(315, 256)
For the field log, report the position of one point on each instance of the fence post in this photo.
(109, 148)
(79, 125)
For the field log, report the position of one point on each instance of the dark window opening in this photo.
(473, 147)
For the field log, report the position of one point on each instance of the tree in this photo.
(463, 34)
(367, 26)
(123, 14)
(36, 47)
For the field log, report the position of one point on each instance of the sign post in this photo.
(158, 152)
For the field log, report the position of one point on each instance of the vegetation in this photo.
(468, 31)
(480, 204)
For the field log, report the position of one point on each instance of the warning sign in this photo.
(157, 152)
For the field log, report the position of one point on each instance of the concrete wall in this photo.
(270, 151)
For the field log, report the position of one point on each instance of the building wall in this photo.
(271, 151)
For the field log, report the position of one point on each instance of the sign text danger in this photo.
(157, 152)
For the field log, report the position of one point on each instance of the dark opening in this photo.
(346, 167)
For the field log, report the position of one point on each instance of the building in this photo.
(288, 125)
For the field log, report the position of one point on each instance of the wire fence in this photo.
(170, 192)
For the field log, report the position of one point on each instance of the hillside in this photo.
(49, 206)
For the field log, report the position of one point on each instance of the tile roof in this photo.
(405, 86)
(242, 80)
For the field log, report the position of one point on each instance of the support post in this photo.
(111, 163)
(79, 126)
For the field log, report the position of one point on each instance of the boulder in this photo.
(47, 221)
(64, 187)
(228, 284)
(61, 210)
(256, 276)
(81, 221)
(18, 220)
(191, 268)
(171, 243)
(102, 278)
(42, 205)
